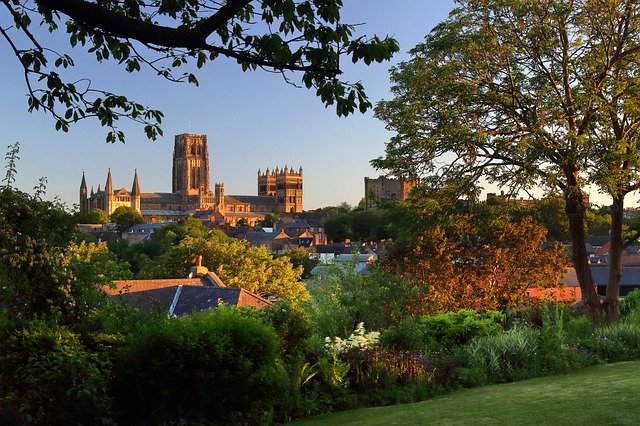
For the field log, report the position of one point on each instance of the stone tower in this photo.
(286, 185)
(219, 194)
(267, 183)
(190, 165)
(84, 200)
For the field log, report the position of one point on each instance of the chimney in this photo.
(198, 271)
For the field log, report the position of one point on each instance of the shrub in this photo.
(630, 306)
(442, 332)
(216, 366)
(613, 343)
(500, 358)
(48, 377)
(378, 376)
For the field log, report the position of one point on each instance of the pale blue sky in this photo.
(252, 120)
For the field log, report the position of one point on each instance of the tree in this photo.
(269, 220)
(521, 94)
(125, 217)
(236, 262)
(93, 216)
(462, 263)
(298, 256)
(358, 225)
(284, 36)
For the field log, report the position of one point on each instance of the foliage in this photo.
(298, 256)
(105, 264)
(442, 332)
(284, 36)
(522, 94)
(216, 366)
(92, 216)
(236, 262)
(33, 278)
(341, 298)
(12, 158)
(471, 261)
(358, 225)
(379, 376)
(125, 217)
(48, 376)
(500, 358)
(613, 343)
(269, 220)
(292, 325)
(630, 306)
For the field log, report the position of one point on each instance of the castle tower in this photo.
(191, 165)
(108, 194)
(84, 201)
(135, 193)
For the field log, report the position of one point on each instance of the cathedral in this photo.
(279, 191)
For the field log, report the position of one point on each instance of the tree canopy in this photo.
(523, 94)
(284, 36)
(236, 262)
(125, 217)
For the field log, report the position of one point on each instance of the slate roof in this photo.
(597, 240)
(260, 238)
(153, 212)
(630, 275)
(600, 273)
(182, 296)
(160, 197)
(258, 200)
(147, 227)
(335, 248)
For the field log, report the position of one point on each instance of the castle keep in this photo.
(279, 191)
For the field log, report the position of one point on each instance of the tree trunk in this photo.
(610, 304)
(575, 208)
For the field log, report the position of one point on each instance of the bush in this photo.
(630, 307)
(613, 343)
(48, 377)
(442, 332)
(500, 358)
(216, 366)
(378, 376)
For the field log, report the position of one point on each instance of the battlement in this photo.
(280, 172)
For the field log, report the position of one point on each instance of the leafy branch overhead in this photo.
(283, 36)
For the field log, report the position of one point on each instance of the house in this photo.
(182, 296)
(568, 290)
(630, 278)
(141, 232)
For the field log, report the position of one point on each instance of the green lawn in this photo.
(601, 395)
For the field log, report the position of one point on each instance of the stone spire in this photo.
(108, 194)
(135, 189)
(83, 184)
(83, 194)
(109, 186)
(135, 193)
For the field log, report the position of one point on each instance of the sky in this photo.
(252, 120)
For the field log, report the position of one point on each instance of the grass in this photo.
(603, 395)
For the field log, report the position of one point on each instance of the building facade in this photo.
(191, 189)
(386, 189)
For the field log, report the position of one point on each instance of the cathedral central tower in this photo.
(191, 174)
